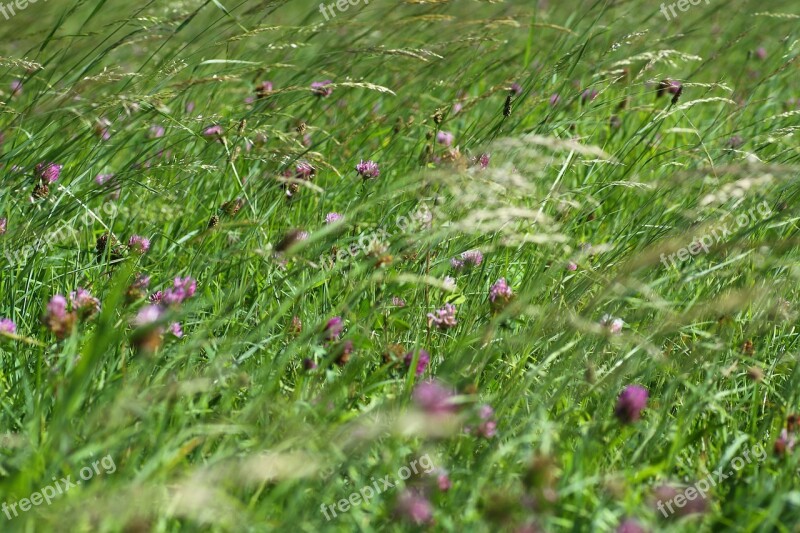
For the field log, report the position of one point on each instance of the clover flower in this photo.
(334, 328)
(443, 318)
(139, 244)
(414, 507)
(630, 404)
(7, 326)
(434, 398)
(468, 259)
(368, 169)
(330, 218)
(445, 137)
(613, 325)
(321, 88)
(422, 361)
(57, 318)
(500, 293)
(84, 303)
(3, 224)
(48, 172)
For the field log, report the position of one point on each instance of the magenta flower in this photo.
(139, 244)
(304, 170)
(500, 293)
(368, 169)
(7, 326)
(422, 363)
(102, 179)
(589, 95)
(321, 88)
(175, 330)
(443, 480)
(761, 53)
(263, 89)
(434, 398)
(669, 86)
(57, 318)
(572, 266)
(3, 224)
(445, 137)
(630, 526)
(483, 160)
(16, 87)
(330, 218)
(309, 364)
(443, 318)
(516, 89)
(334, 328)
(84, 303)
(555, 100)
(414, 507)
(49, 172)
(157, 297)
(630, 404)
(182, 289)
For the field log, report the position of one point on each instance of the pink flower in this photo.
(102, 128)
(139, 244)
(468, 259)
(500, 293)
(102, 179)
(414, 507)
(57, 318)
(368, 169)
(16, 88)
(443, 480)
(84, 303)
(49, 172)
(398, 302)
(630, 404)
(572, 266)
(3, 223)
(422, 362)
(321, 88)
(182, 289)
(443, 318)
(761, 53)
(148, 315)
(213, 131)
(614, 325)
(7, 326)
(555, 100)
(434, 398)
(330, 218)
(156, 131)
(175, 329)
(334, 328)
(445, 137)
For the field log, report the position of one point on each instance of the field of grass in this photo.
(444, 265)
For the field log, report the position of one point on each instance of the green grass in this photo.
(225, 429)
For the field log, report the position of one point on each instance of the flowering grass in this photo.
(307, 253)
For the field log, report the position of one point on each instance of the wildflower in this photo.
(309, 364)
(449, 283)
(57, 318)
(443, 480)
(138, 287)
(483, 160)
(16, 88)
(613, 325)
(102, 179)
(785, 443)
(487, 427)
(333, 328)
(555, 99)
(500, 293)
(398, 302)
(422, 361)
(761, 53)
(443, 318)
(572, 266)
(515, 89)
(630, 404)
(48, 172)
(368, 169)
(101, 129)
(296, 326)
(3, 224)
(589, 95)
(7, 326)
(291, 238)
(304, 170)
(157, 297)
(321, 88)
(182, 289)
(148, 315)
(189, 107)
(214, 131)
(414, 507)
(445, 137)
(84, 303)
(156, 131)
(330, 218)
(232, 207)
(139, 244)
(468, 259)
(434, 398)
(263, 89)
(343, 351)
(668, 86)
(175, 330)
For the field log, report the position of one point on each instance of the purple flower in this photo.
(175, 329)
(141, 281)
(148, 315)
(434, 398)
(572, 266)
(57, 307)
(139, 244)
(49, 172)
(630, 404)
(189, 107)
(102, 179)
(630, 526)
(735, 142)
(309, 364)
(263, 89)
(182, 289)
(761, 53)
(304, 170)
(334, 328)
(443, 480)
(483, 160)
(555, 100)
(213, 131)
(414, 507)
(516, 89)
(422, 362)
(7, 326)
(156, 297)
(56, 317)
(330, 218)
(368, 169)
(669, 86)
(443, 318)
(445, 137)
(589, 95)
(500, 293)
(16, 87)
(3, 223)
(321, 88)
(156, 131)
(468, 259)
(84, 303)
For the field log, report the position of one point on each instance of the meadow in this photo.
(409, 265)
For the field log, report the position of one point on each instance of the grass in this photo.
(228, 429)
